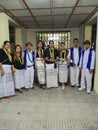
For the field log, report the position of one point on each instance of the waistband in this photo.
(30, 66)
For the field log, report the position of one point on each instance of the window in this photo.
(58, 37)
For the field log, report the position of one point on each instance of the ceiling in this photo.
(49, 13)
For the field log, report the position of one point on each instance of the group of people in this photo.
(17, 68)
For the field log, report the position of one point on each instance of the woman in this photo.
(7, 85)
(18, 63)
(63, 70)
(51, 57)
(39, 63)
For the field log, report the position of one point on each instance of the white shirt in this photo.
(76, 55)
(27, 58)
(85, 59)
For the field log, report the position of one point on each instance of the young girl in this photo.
(63, 70)
(39, 62)
(18, 63)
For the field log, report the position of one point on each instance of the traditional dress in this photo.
(29, 69)
(40, 66)
(19, 72)
(74, 54)
(51, 68)
(87, 62)
(63, 68)
(6, 81)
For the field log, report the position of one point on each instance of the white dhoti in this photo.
(29, 77)
(51, 76)
(19, 78)
(40, 70)
(7, 81)
(74, 75)
(63, 72)
(1, 86)
(86, 79)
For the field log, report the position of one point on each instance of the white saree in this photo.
(51, 76)
(7, 82)
(63, 71)
(19, 78)
(40, 70)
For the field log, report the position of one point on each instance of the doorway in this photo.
(93, 45)
(12, 36)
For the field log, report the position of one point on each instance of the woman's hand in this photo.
(2, 72)
(13, 69)
(52, 60)
(0, 65)
(35, 66)
(57, 59)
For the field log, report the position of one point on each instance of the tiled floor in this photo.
(52, 109)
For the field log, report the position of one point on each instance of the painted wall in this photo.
(81, 35)
(21, 36)
(31, 37)
(88, 32)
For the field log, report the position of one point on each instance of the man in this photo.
(29, 66)
(74, 58)
(87, 66)
(51, 57)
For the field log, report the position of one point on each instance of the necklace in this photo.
(21, 60)
(52, 53)
(61, 54)
(8, 54)
(40, 53)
